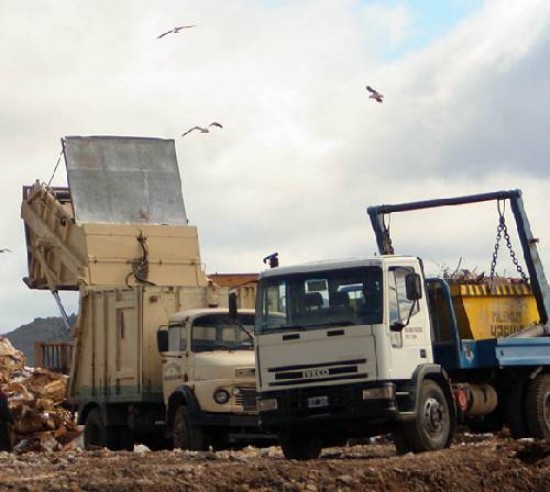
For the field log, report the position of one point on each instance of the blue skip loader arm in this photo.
(538, 281)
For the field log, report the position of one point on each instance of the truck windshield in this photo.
(351, 296)
(219, 332)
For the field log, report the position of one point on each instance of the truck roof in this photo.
(331, 265)
(193, 313)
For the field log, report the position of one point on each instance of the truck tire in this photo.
(94, 430)
(185, 435)
(514, 411)
(432, 428)
(298, 447)
(537, 407)
(98, 435)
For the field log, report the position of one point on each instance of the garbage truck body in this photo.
(119, 235)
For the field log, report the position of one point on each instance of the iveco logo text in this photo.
(316, 373)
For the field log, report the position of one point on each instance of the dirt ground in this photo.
(472, 463)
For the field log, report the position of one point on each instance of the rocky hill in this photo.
(40, 330)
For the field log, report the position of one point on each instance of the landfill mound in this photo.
(36, 399)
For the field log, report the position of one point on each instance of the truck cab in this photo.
(208, 378)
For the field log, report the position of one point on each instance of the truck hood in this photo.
(238, 364)
(314, 358)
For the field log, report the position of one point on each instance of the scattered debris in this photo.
(36, 399)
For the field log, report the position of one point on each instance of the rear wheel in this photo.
(98, 435)
(94, 430)
(186, 435)
(297, 447)
(537, 407)
(431, 430)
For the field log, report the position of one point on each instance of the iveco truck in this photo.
(380, 348)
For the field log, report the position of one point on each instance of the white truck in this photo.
(389, 354)
(156, 358)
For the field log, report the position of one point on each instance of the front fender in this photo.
(182, 395)
(408, 406)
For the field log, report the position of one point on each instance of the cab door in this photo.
(173, 370)
(408, 325)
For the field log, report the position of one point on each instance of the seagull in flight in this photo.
(374, 94)
(176, 30)
(5, 250)
(203, 129)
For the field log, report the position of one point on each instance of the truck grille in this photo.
(305, 374)
(246, 397)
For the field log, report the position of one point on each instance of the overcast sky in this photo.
(303, 150)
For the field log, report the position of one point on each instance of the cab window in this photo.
(176, 339)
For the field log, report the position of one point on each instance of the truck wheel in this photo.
(186, 435)
(537, 407)
(514, 410)
(431, 430)
(98, 435)
(94, 430)
(296, 447)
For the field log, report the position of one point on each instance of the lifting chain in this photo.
(502, 230)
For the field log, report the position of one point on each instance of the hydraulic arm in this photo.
(537, 277)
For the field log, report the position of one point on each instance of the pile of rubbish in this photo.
(36, 399)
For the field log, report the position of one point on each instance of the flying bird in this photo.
(5, 250)
(202, 129)
(176, 30)
(374, 94)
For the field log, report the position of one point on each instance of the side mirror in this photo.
(413, 286)
(398, 326)
(232, 301)
(162, 340)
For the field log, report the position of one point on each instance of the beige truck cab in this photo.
(209, 378)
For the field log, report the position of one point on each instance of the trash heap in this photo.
(37, 401)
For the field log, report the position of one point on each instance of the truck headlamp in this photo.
(267, 405)
(221, 396)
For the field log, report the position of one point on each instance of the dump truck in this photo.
(155, 359)
(361, 347)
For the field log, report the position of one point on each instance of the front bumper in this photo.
(351, 409)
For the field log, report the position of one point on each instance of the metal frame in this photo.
(538, 281)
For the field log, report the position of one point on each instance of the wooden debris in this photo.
(36, 398)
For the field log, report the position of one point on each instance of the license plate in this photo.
(317, 401)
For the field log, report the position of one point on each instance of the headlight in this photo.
(221, 396)
(267, 405)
